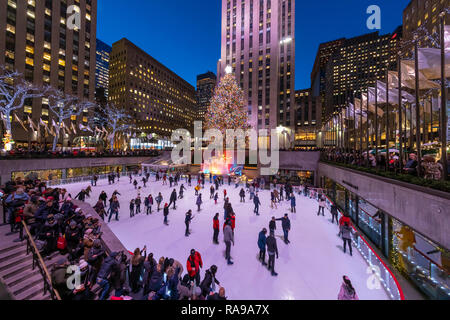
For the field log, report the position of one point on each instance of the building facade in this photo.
(308, 118)
(206, 83)
(38, 40)
(258, 43)
(424, 13)
(156, 98)
(355, 65)
(103, 51)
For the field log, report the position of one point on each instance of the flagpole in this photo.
(443, 102)
(367, 127)
(376, 119)
(400, 111)
(417, 87)
(388, 155)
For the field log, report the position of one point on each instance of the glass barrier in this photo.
(381, 274)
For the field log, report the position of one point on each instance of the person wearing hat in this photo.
(209, 282)
(59, 278)
(49, 233)
(95, 258)
(286, 225)
(166, 214)
(73, 238)
(29, 211)
(193, 264)
(262, 246)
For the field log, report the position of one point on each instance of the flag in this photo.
(20, 121)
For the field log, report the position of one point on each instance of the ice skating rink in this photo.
(309, 268)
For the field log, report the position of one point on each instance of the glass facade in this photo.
(58, 174)
(294, 177)
(425, 263)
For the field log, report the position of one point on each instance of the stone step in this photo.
(14, 261)
(23, 286)
(31, 292)
(7, 255)
(18, 278)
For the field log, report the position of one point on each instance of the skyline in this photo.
(117, 20)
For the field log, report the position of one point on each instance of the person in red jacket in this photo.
(193, 264)
(342, 221)
(216, 227)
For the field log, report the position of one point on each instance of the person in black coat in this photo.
(286, 225)
(209, 280)
(173, 198)
(109, 266)
(257, 203)
(242, 195)
(187, 221)
(272, 250)
(334, 213)
(273, 225)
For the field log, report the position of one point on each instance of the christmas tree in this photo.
(227, 106)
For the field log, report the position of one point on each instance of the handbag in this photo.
(62, 243)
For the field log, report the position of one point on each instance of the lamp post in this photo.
(444, 121)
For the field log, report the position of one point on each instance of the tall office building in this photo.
(424, 13)
(156, 98)
(103, 51)
(258, 43)
(38, 39)
(206, 84)
(308, 118)
(355, 65)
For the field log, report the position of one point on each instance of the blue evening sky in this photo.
(185, 35)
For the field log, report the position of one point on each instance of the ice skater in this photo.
(216, 229)
(257, 203)
(347, 292)
(199, 202)
(166, 214)
(347, 231)
(138, 205)
(272, 251)
(114, 208)
(242, 195)
(262, 246)
(334, 213)
(273, 225)
(293, 203)
(286, 225)
(273, 200)
(211, 190)
(173, 199)
(322, 204)
(228, 238)
(148, 202)
(193, 264)
(159, 199)
(132, 208)
(181, 193)
(135, 183)
(187, 222)
(216, 197)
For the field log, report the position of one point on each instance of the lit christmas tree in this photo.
(227, 106)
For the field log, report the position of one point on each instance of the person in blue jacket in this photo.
(262, 246)
(293, 203)
(257, 203)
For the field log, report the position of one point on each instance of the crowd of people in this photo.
(58, 224)
(431, 168)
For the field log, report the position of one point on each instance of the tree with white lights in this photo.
(64, 107)
(117, 121)
(14, 91)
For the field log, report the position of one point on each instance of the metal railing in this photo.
(377, 265)
(39, 262)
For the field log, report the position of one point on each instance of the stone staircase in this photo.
(16, 267)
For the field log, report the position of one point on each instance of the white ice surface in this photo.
(310, 267)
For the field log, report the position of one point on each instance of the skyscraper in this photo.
(258, 43)
(355, 64)
(156, 98)
(206, 84)
(38, 40)
(103, 51)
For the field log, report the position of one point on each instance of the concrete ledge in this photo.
(425, 210)
(109, 239)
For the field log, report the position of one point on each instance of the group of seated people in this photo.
(58, 226)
